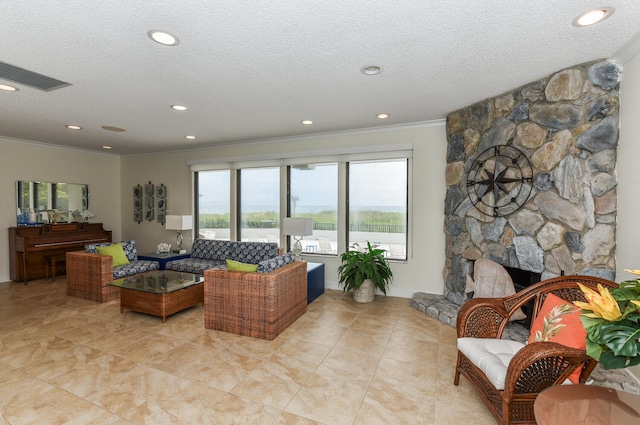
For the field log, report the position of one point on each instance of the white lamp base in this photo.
(297, 249)
(179, 242)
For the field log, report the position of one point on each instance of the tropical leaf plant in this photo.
(370, 263)
(613, 340)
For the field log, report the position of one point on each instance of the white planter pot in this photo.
(366, 293)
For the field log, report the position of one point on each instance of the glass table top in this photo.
(158, 281)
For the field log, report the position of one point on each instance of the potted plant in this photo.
(364, 271)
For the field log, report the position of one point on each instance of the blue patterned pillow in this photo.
(252, 252)
(275, 263)
(209, 249)
(129, 248)
(93, 248)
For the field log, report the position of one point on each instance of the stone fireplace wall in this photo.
(567, 126)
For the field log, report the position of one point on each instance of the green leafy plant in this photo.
(612, 321)
(357, 266)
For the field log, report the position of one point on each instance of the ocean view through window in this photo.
(350, 202)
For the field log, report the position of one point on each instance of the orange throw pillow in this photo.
(559, 321)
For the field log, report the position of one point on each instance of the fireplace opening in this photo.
(521, 280)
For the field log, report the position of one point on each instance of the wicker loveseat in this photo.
(212, 254)
(255, 304)
(523, 370)
(89, 273)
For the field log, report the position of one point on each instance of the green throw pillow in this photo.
(115, 250)
(237, 266)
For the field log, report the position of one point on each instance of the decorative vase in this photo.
(366, 293)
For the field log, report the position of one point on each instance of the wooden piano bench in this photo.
(50, 263)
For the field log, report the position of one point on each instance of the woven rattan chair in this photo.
(261, 305)
(88, 277)
(533, 367)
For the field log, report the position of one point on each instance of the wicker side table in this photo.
(160, 293)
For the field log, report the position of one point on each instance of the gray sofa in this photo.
(212, 254)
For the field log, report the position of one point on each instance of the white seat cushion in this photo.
(490, 355)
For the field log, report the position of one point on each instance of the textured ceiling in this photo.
(252, 70)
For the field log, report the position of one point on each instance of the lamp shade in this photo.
(178, 222)
(297, 226)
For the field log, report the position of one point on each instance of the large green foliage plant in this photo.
(370, 263)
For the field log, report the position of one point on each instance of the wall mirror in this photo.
(43, 202)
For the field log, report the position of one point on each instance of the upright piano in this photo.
(30, 246)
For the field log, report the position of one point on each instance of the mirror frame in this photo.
(46, 202)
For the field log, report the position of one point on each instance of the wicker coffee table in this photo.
(160, 292)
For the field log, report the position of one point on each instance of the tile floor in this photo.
(68, 361)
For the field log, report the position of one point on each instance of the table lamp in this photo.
(179, 223)
(297, 227)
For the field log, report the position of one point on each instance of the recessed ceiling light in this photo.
(163, 37)
(593, 17)
(106, 147)
(382, 116)
(179, 107)
(307, 122)
(190, 137)
(371, 70)
(73, 127)
(112, 128)
(7, 88)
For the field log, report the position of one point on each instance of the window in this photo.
(352, 194)
(259, 205)
(314, 194)
(377, 206)
(213, 204)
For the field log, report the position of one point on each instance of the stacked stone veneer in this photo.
(567, 125)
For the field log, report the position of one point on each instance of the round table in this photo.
(586, 405)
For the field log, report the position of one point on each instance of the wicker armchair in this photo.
(533, 367)
(261, 305)
(88, 276)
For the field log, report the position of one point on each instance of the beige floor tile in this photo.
(81, 412)
(268, 389)
(415, 381)
(233, 410)
(32, 352)
(85, 378)
(116, 342)
(368, 343)
(385, 407)
(13, 382)
(345, 364)
(405, 348)
(39, 404)
(146, 348)
(322, 333)
(296, 360)
(448, 396)
(328, 401)
(289, 419)
(223, 370)
(64, 360)
(242, 345)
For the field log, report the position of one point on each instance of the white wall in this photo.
(423, 270)
(38, 162)
(628, 229)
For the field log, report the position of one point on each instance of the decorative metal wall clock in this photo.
(499, 180)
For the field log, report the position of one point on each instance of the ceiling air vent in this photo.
(29, 78)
